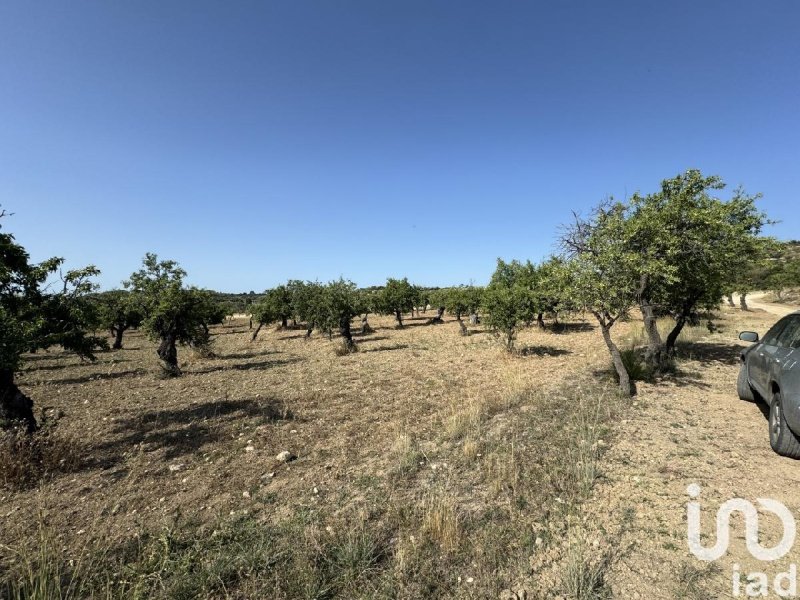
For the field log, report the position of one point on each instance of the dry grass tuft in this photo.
(26, 459)
(440, 522)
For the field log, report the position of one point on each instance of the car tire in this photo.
(742, 387)
(781, 438)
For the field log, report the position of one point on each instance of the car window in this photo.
(790, 336)
(771, 337)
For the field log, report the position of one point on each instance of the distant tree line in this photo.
(675, 253)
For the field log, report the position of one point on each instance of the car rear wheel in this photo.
(743, 387)
(781, 438)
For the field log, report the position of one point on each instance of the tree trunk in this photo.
(510, 340)
(743, 301)
(118, 331)
(624, 379)
(399, 318)
(365, 328)
(672, 338)
(438, 318)
(540, 320)
(463, 328)
(309, 330)
(14, 405)
(731, 303)
(655, 345)
(344, 329)
(168, 353)
(255, 333)
(251, 323)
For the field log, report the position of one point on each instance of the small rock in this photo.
(268, 475)
(245, 494)
(249, 448)
(176, 467)
(285, 456)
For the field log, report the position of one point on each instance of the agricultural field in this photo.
(426, 464)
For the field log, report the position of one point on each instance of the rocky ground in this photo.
(426, 435)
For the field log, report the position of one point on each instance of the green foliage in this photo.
(335, 306)
(398, 296)
(510, 299)
(117, 309)
(692, 246)
(275, 305)
(305, 297)
(458, 301)
(32, 317)
(172, 313)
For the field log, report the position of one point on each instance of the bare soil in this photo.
(397, 422)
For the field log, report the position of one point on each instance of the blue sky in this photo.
(258, 141)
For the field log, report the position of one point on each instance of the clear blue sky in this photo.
(258, 141)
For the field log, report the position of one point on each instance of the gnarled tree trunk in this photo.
(540, 320)
(344, 329)
(399, 316)
(365, 327)
(255, 333)
(625, 386)
(168, 353)
(656, 355)
(438, 318)
(731, 303)
(117, 331)
(14, 405)
(743, 301)
(463, 328)
(672, 338)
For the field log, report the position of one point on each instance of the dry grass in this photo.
(424, 460)
(27, 460)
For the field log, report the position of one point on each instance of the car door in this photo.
(762, 357)
(788, 341)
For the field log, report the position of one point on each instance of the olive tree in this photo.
(335, 306)
(33, 317)
(602, 277)
(690, 248)
(509, 299)
(458, 301)
(367, 303)
(172, 313)
(118, 312)
(397, 297)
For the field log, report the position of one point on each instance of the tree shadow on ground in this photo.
(98, 377)
(236, 355)
(361, 339)
(386, 348)
(36, 368)
(294, 336)
(710, 353)
(563, 328)
(264, 364)
(184, 431)
(232, 332)
(541, 351)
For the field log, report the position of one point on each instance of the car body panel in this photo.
(770, 366)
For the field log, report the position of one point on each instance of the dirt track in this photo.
(694, 430)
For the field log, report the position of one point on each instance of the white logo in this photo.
(751, 527)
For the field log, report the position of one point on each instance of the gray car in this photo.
(771, 373)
